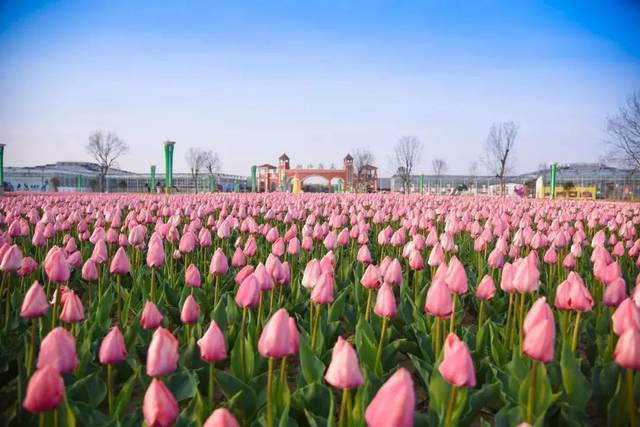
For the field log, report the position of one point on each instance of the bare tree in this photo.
(473, 173)
(624, 129)
(212, 163)
(105, 148)
(406, 154)
(362, 157)
(196, 160)
(439, 167)
(498, 156)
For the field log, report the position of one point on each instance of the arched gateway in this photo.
(272, 178)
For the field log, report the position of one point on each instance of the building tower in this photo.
(348, 169)
(283, 165)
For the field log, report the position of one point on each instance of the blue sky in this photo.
(250, 80)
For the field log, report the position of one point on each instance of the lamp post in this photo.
(152, 179)
(168, 165)
(553, 171)
(2, 169)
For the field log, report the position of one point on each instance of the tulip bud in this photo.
(344, 370)
(112, 348)
(45, 390)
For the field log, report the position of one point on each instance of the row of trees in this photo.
(105, 148)
(623, 149)
(497, 156)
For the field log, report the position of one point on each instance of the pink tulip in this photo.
(238, 259)
(394, 403)
(35, 302)
(371, 279)
(615, 292)
(162, 355)
(439, 302)
(221, 417)
(456, 278)
(72, 309)
(294, 336)
(457, 367)
(212, 346)
(56, 267)
(159, 407)
(385, 302)
(28, 266)
(243, 274)
(155, 254)
(539, 332)
(218, 265)
(486, 288)
(627, 352)
(364, 255)
(393, 273)
(192, 277)
(312, 273)
(45, 390)
(322, 293)
(89, 271)
(58, 349)
(626, 316)
(436, 257)
(248, 294)
(11, 260)
(190, 310)
(275, 339)
(344, 371)
(112, 348)
(526, 278)
(151, 317)
(100, 252)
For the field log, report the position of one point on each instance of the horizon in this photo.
(315, 80)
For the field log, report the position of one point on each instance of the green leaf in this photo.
(544, 396)
(183, 384)
(314, 398)
(244, 397)
(90, 390)
(124, 396)
(312, 367)
(477, 400)
(577, 390)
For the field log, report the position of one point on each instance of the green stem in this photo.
(283, 372)
(212, 380)
(152, 291)
(450, 406)
(481, 314)
(631, 401)
(576, 332)
(269, 394)
(54, 312)
(378, 363)
(531, 397)
(32, 346)
(521, 320)
(453, 314)
(118, 309)
(42, 419)
(215, 294)
(314, 332)
(241, 337)
(436, 341)
(343, 420)
(110, 387)
(369, 304)
(508, 325)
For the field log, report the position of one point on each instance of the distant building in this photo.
(84, 176)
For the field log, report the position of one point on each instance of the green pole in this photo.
(553, 172)
(254, 179)
(2, 168)
(152, 178)
(168, 165)
(421, 183)
(78, 183)
(237, 187)
(213, 183)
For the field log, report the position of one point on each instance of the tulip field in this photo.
(318, 310)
